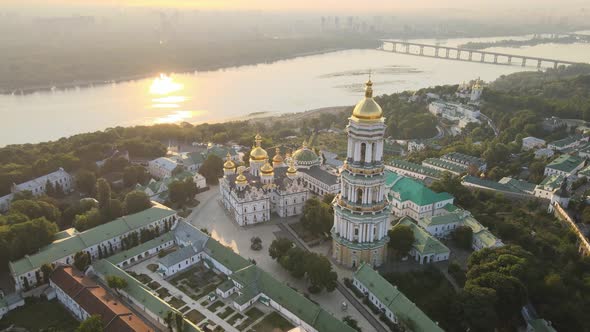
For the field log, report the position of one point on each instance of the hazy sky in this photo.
(350, 6)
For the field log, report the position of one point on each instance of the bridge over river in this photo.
(463, 54)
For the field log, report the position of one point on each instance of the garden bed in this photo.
(233, 319)
(176, 302)
(195, 316)
(216, 305)
(273, 322)
(226, 312)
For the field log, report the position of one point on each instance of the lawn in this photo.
(163, 293)
(154, 285)
(41, 315)
(253, 314)
(233, 319)
(216, 305)
(273, 322)
(228, 311)
(152, 267)
(304, 234)
(194, 316)
(176, 302)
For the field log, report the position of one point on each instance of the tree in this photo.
(212, 169)
(317, 216)
(46, 270)
(136, 201)
(81, 260)
(401, 239)
(103, 194)
(87, 220)
(36, 209)
(477, 306)
(179, 319)
(182, 191)
(586, 215)
(352, 323)
(169, 320)
(91, 324)
(463, 237)
(256, 243)
(279, 247)
(132, 175)
(116, 283)
(85, 181)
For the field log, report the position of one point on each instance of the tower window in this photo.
(363, 151)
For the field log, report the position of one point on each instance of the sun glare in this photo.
(164, 85)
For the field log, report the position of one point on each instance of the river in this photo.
(285, 86)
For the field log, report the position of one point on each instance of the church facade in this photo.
(251, 194)
(361, 211)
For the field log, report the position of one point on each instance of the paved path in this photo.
(340, 287)
(209, 214)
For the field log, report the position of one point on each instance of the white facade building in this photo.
(162, 167)
(530, 142)
(463, 114)
(251, 195)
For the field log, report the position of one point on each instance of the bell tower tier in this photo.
(361, 212)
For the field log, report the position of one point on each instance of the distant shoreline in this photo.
(92, 83)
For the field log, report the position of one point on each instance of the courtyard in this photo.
(211, 216)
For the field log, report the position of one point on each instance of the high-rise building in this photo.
(361, 212)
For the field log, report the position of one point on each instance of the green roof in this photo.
(256, 281)
(424, 243)
(447, 165)
(415, 168)
(552, 182)
(124, 255)
(585, 171)
(463, 218)
(155, 186)
(412, 190)
(565, 163)
(491, 185)
(225, 255)
(518, 185)
(450, 207)
(541, 325)
(80, 241)
(395, 300)
(566, 141)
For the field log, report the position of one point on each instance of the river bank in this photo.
(54, 68)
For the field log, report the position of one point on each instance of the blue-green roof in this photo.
(424, 243)
(80, 241)
(395, 300)
(414, 191)
(565, 163)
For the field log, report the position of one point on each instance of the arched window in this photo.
(363, 152)
(359, 196)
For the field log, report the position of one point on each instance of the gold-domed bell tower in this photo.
(229, 167)
(292, 171)
(361, 212)
(258, 156)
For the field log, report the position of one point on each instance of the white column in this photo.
(350, 148)
(357, 151)
(379, 152)
(370, 195)
(368, 152)
(361, 233)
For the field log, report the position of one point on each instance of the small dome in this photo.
(267, 169)
(258, 153)
(277, 157)
(241, 178)
(229, 164)
(291, 171)
(367, 108)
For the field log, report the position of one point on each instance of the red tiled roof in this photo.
(95, 300)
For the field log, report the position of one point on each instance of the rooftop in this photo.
(395, 300)
(416, 168)
(42, 180)
(423, 241)
(565, 163)
(95, 300)
(80, 241)
(321, 175)
(451, 167)
(412, 190)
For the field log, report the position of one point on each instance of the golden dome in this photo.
(258, 153)
(291, 170)
(229, 164)
(241, 179)
(367, 108)
(277, 157)
(267, 169)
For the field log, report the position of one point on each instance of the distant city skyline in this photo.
(336, 6)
